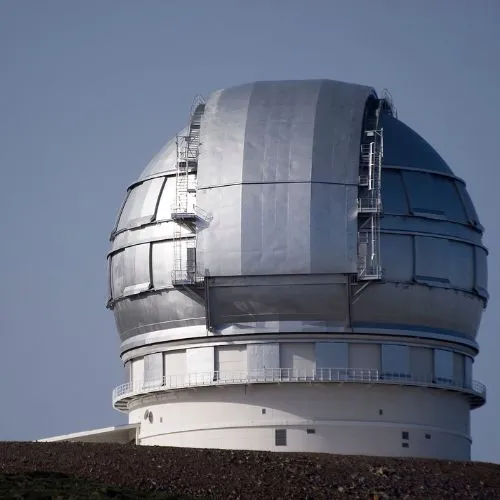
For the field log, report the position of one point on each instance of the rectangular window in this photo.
(468, 371)
(405, 445)
(311, 431)
(396, 360)
(423, 193)
(230, 361)
(427, 436)
(432, 260)
(443, 366)
(280, 437)
(332, 355)
(364, 357)
(299, 358)
(405, 435)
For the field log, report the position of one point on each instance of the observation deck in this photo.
(475, 392)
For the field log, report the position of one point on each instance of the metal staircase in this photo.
(370, 200)
(184, 210)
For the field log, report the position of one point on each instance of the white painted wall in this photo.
(347, 418)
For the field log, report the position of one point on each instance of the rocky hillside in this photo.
(77, 470)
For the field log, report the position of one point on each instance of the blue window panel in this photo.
(365, 356)
(458, 369)
(423, 194)
(450, 200)
(393, 193)
(468, 205)
(461, 269)
(481, 272)
(443, 366)
(431, 260)
(396, 360)
(468, 371)
(332, 355)
(397, 257)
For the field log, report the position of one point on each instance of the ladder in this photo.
(184, 210)
(370, 203)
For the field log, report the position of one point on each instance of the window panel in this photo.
(458, 369)
(118, 273)
(332, 355)
(153, 367)
(230, 361)
(396, 359)
(297, 356)
(397, 251)
(167, 200)
(163, 263)
(260, 356)
(423, 193)
(137, 271)
(468, 371)
(421, 363)
(393, 193)
(138, 371)
(468, 205)
(175, 367)
(461, 272)
(128, 371)
(481, 274)
(141, 204)
(450, 199)
(200, 364)
(364, 356)
(431, 260)
(443, 366)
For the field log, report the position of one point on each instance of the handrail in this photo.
(286, 375)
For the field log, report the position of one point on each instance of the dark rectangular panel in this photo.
(481, 272)
(423, 193)
(394, 198)
(396, 252)
(469, 206)
(468, 371)
(364, 356)
(396, 360)
(421, 361)
(461, 273)
(443, 366)
(432, 260)
(450, 199)
(332, 355)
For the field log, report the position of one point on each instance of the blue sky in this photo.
(89, 92)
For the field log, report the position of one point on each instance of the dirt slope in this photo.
(242, 474)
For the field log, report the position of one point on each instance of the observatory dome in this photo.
(300, 224)
(278, 174)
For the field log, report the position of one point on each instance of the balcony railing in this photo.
(475, 391)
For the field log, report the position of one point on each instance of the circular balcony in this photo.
(123, 394)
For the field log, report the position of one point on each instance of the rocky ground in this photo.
(77, 470)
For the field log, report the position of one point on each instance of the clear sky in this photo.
(91, 89)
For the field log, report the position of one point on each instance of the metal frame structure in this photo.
(370, 201)
(183, 213)
(475, 391)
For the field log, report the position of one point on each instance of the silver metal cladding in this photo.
(277, 182)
